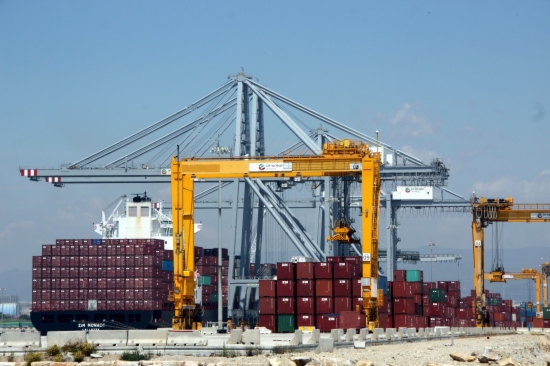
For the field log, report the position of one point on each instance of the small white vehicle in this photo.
(263, 330)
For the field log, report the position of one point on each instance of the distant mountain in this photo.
(17, 282)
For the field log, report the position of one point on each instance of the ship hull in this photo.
(45, 321)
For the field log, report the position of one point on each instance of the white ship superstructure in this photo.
(141, 219)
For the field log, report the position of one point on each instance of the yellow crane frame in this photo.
(525, 274)
(341, 158)
(485, 211)
(545, 268)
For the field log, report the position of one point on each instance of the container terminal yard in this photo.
(145, 273)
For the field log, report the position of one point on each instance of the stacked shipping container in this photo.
(327, 295)
(207, 266)
(96, 275)
(311, 294)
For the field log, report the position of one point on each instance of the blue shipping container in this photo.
(168, 266)
(383, 283)
(96, 241)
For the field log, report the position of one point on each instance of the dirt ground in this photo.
(524, 349)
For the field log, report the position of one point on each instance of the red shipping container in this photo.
(268, 321)
(403, 305)
(37, 284)
(46, 273)
(323, 288)
(427, 286)
(449, 312)
(436, 322)
(453, 286)
(138, 293)
(356, 288)
(334, 259)
(356, 260)
(305, 305)
(305, 288)
(421, 322)
(120, 272)
(304, 270)
(324, 305)
(436, 309)
(399, 275)
(82, 294)
(36, 261)
(343, 270)
(46, 250)
(101, 283)
(169, 277)
(464, 313)
(454, 294)
(46, 284)
(404, 321)
(286, 288)
(130, 261)
(418, 299)
(352, 320)
(384, 321)
(401, 289)
(102, 294)
(286, 305)
(305, 320)
(323, 270)
(55, 250)
(342, 304)
(267, 306)
(93, 251)
(128, 294)
(451, 301)
(37, 273)
(64, 261)
(286, 271)
(442, 285)
(328, 322)
(342, 288)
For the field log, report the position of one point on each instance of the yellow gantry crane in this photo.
(340, 158)
(525, 274)
(545, 274)
(484, 212)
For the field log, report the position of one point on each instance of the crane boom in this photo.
(340, 158)
(484, 212)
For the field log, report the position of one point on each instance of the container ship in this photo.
(121, 281)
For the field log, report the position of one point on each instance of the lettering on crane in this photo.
(270, 167)
(540, 215)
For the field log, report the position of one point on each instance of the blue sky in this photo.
(465, 81)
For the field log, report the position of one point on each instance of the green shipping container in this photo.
(546, 313)
(493, 301)
(214, 297)
(437, 295)
(413, 275)
(204, 281)
(286, 324)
